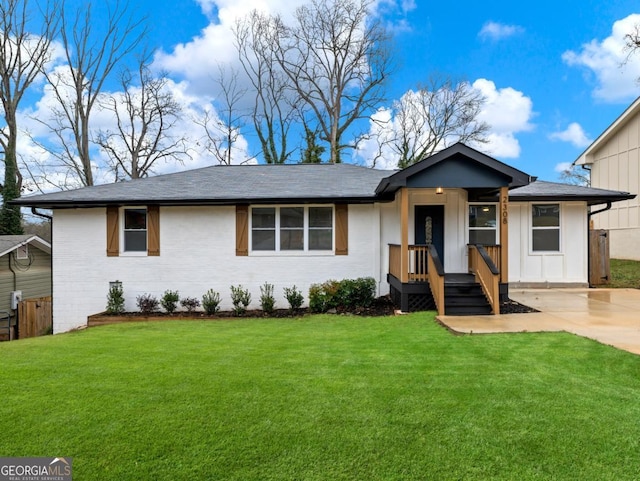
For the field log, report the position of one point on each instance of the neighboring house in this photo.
(614, 161)
(25, 269)
(301, 224)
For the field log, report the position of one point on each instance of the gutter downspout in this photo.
(589, 214)
(15, 288)
(34, 211)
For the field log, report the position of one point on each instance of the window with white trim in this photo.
(545, 227)
(134, 230)
(292, 228)
(483, 224)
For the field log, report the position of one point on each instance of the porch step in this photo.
(463, 296)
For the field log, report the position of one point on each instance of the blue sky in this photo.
(552, 71)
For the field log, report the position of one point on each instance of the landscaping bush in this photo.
(241, 298)
(190, 303)
(345, 294)
(147, 303)
(267, 301)
(294, 297)
(169, 301)
(211, 302)
(115, 299)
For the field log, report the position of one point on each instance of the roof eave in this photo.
(589, 199)
(586, 157)
(199, 202)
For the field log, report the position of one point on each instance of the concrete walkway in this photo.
(609, 316)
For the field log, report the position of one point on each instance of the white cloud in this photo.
(508, 112)
(573, 134)
(616, 77)
(563, 167)
(498, 31)
(198, 59)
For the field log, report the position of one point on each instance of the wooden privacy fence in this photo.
(34, 317)
(599, 270)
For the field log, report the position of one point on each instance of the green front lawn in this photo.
(624, 273)
(321, 398)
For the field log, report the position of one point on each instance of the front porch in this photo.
(424, 285)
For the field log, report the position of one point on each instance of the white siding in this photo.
(569, 266)
(197, 253)
(616, 167)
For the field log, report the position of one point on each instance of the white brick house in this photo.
(413, 231)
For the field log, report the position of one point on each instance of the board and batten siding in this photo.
(617, 167)
(568, 267)
(32, 277)
(197, 253)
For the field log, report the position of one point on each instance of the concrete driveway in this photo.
(609, 316)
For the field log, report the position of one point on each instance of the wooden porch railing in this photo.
(418, 263)
(494, 254)
(395, 260)
(436, 278)
(487, 275)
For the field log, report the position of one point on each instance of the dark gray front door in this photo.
(429, 227)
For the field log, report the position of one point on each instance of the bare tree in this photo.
(91, 56)
(337, 59)
(576, 176)
(22, 57)
(432, 118)
(145, 113)
(222, 127)
(273, 109)
(632, 40)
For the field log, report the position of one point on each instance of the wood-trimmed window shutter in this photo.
(342, 229)
(153, 230)
(242, 230)
(113, 234)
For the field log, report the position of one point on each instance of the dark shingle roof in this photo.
(228, 185)
(541, 190)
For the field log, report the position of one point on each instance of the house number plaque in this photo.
(504, 210)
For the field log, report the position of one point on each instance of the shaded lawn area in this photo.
(321, 398)
(624, 273)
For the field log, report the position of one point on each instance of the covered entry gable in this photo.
(458, 166)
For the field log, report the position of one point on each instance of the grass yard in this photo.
(624, 273)
(321, 398)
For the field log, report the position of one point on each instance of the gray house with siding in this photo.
(25, 267)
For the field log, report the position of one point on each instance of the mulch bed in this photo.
(382, 306)
(512, 307)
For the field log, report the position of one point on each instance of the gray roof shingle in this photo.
(228, 185)
(9, 243)
(543, 190)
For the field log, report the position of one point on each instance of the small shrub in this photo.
(190, 303)
(211, 302)
(241, 298)
(323, 297)
(169, 301)
(267, 301)
(294, 297)
(115, 299)
(147, 303)
(346, 294)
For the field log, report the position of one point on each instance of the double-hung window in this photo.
(135, 230)
(545, 227)
(291, 229)
(483, 224)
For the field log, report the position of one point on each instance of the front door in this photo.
(429, 227)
